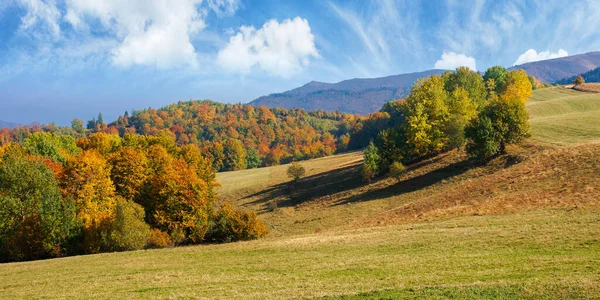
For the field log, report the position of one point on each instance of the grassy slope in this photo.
(522, 226)
(551, 253)
(564, 116)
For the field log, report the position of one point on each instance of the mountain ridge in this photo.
(367, 95)
(372, 93)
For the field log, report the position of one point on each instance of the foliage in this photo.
(234, 155)
(579, 80)
(158, 239)
(253, 160)
(296, 171)
(497, 76)
(53, 146)
(129, 171)
(396, 169)
(128, 231)
(503, 122)
(370, 167)
(34, 221)
(230, 224)
(427, 112)
(518, 86)
(470, 81)
(462, 110)
(87, 181)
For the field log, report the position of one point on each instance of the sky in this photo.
(65, 59)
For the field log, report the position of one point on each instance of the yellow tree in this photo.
(87, 180)
(427, 114)
(129, 171)
(518, 86)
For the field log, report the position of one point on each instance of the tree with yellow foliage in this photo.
(87, 181)
(518, 86)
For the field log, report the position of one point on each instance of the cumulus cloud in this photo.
(145, 32)
(277, 48)
(531, 55)
(451, 61)
(153, 33)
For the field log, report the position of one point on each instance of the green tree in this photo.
(461, 110)
(502, 122)
(499, 75)
(468, 80)
(253, 160)
(296, 171)
(54, 146)
(128, 230)
(579, 80)
(390, 143)
(370, 167)
(34, 221)
(77, 126)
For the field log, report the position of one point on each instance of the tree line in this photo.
(64, 196)
(461, 108)
(232, 136)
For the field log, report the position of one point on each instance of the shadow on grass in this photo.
(347, 179)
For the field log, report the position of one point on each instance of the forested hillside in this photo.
(589, 76)
(232, 136)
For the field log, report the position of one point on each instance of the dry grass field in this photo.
(521, 226)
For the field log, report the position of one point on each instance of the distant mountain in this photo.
(589, 76)
(356, 96)
(5, 124)
(556, 69)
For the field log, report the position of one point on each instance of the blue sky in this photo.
(62, 59)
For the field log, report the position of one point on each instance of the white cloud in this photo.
(531, 55)
(155, 33)
(41, 11)
(145, 32)
(451, 61)
(277, 48)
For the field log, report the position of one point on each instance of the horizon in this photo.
(62, 60)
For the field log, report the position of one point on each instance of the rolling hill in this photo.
(356, 96)
(523, 225)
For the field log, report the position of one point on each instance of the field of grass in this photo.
(553, 253)
(523, 225)
(564, 116)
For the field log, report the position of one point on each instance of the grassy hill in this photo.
(564, 116)
(523, 225)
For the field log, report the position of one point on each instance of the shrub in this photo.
(396, 169)
(128, 231)
(296, 171)
(230, 224)
(158, 239)
(367, 173)
(579, 80)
